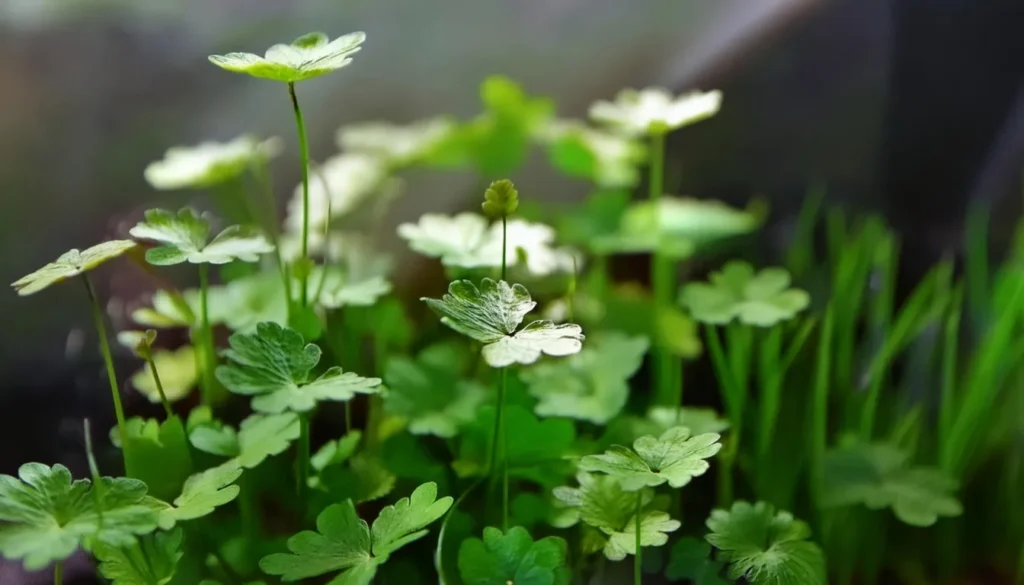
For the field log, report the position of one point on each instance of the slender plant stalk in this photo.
(94, 471)
(247, 511)
(376, 409)
(819, 406)
(304, 154)
(348, 416)
(734, 410)
(159, 385)
(210, 357)
(638, 564)
(950, 347)
(302, 463)
(499, 440)
(504, 454)
(662, 275)
(108, 360)
(770, 360)
(58, 573)
(262, 173)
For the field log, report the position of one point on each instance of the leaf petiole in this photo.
(304, 155)
(302, 463)
(108, 360)
(206, 332)
(668, 393)
(159, 385)
(58, 573)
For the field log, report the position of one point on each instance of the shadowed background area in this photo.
(907, 107)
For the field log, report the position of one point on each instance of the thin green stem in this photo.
(159, 385)
(58, 573)
(662, 277)
(247, 511)
(348, 416)
(499, 449)
(638, 564)
(771, 377)
(819, 408)
(302, 463)
(950, 352)
(94, 471)
(504, 243)
(108, 360)
(261, 171)
(304, 155)
(210, 357)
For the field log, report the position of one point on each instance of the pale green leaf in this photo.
(167, 310)
(262, 436)
(762, 299)
(466, 241)
(699, 221)
(202, 493)
(342, 541)
(45, 516)
(336, 452)
(70, 264)
(654, 110)
(209, 163)
(405, 521)
(400, 145)
(599, 501)
(364, 479)
(492, 313)
(184, 237)
(211, 435)
(879, 476)
(592, 385)
(674, 458)
(429, 392)
(150, 561)
(274, 364)
(654, 528)
(177, 371)
(306, 57)
(541, 459)
(765, 547)
(247, 301)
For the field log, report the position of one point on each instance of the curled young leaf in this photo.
(501, 199)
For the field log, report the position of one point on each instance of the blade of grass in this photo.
(992, 361)
(800, 253)
(770, 377)
(819, 407)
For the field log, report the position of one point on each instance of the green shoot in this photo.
(300, 127)
(108, 360)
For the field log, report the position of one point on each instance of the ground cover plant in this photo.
(528, 425)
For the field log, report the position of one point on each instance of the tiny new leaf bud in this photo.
(501, 199)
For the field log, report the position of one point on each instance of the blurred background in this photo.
(909, 108)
